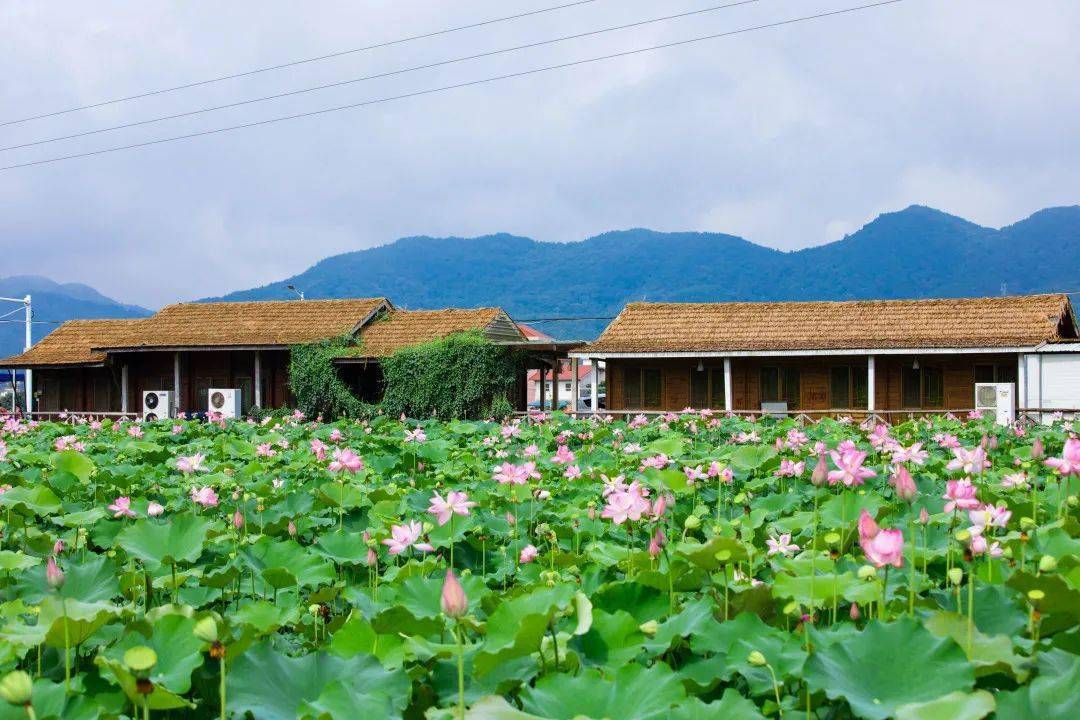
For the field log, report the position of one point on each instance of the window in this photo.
(566, 387)
(1000, 372)
(911, 387)
(934, 387)
(984, 373)
(859, 388)
(780, 384)
(839, 386)
(644, 388)
(707, 388)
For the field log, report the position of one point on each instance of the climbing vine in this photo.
(315, 382)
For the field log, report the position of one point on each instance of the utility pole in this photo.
(28, 381)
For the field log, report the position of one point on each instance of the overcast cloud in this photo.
(789, 137)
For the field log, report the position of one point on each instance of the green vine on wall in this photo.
(460, 376)
(315, 383)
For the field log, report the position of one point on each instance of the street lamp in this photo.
(299, 293)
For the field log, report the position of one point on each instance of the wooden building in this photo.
(104, 366)
(888, 356)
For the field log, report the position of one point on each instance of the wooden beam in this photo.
(543, 372)
(555, 382)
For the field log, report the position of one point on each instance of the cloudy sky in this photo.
(789, 137)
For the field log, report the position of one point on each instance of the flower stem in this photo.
(67, 648)
(221, 686)
(460, 670)
(776, 690)
(911, 579)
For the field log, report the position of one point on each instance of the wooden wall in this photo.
(814, 387)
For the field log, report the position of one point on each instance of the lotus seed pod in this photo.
(956, 576)
(16, 688)
(1047, 563)
(756, 658)
(206, 630)
(692, 522)
(867, 572)
(140, 658)
(649, 627)
(1027, 523)
(1035, 595)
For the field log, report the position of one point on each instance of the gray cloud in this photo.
(789, 137)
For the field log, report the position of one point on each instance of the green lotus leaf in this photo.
(343, 547)
(83, 619)
(178, 540)
(865, 670)
(517, 626)
(632, 692)
(74, 462)
(954, 706)
(273, 686)
(17, 560)
(289, 562)
(178, 651)
(159, 698)
(731, 706)
(612, 640)
(989, 653)
(1051, 695)
(748, 458)
(92, 579)
(38, 500)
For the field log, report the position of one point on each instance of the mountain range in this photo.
(916, 252)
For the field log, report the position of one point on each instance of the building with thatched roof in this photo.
(102, 366)
(885, 356)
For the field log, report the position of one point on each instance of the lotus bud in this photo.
(454, 603)
(238, 519)
(867, 572)
(924, 517)
(649, 627)
(292, 529)
(692, 522)
(16, 688)
(854, 612)
(821, 472)
(756, 659)
(54, 576)
(1047, 563)
(904, 484)
(993, 444)
(58, 547)
(1037, 449)
(372, 558)
(956, 576)
(656, 543)
(206, 630)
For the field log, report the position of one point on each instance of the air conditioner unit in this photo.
(224, 402)
(996, 398)
(156, 405)
(775, 409)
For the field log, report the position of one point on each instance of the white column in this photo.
(557, 366)
(176, 382)
(1021, 380)
(258, 379)
(28, 374)
(729, 391)
(870, 405)
(595, 389)
(574, 389)
(543, 372)
(124, 388)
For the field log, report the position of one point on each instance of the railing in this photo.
(889, 417)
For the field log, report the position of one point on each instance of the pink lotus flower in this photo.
(1016, 481)
(453, 601)
(850, 470)
(456, 503)
(415, 436)
(54, 576)
(914, 454)
(121, 507)
(319, 448)
(612, 485)
(821, 471)
(1069, 462)
(882, 547)
(693, 474)
(628, 504)
(530, 451)
(947, 441)
(904, 484)
(781, 545)
(204, 496)
(345, 460)
(177, 429)
(154, 509)
(336, 435)
(573, 472)
(659, 507)
(135, 431)
(659, 462)
(961, 495)
(402, 537)
(188, 464)
(58, 547)
(969, 462)
(789, 468)
(980, 545)
(563, 456)
(528, 554)
(994, 516)
(265, 450)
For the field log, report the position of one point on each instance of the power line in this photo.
(566, 319)
(455, 86)
(294, 63)
(389, 73)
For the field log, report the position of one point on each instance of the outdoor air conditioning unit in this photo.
(224, 402)
(996, 398)
(156, 405)
(774, 409)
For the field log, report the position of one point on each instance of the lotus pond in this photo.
(685, 566)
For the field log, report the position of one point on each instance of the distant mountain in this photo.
(916, 252)
(52, 303)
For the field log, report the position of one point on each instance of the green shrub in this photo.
(460, 376)
(316, 385)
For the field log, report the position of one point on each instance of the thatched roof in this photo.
(1018, 321)
(402, 328)
(247, 324)
(69, 345)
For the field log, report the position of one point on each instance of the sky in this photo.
(789, 137)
